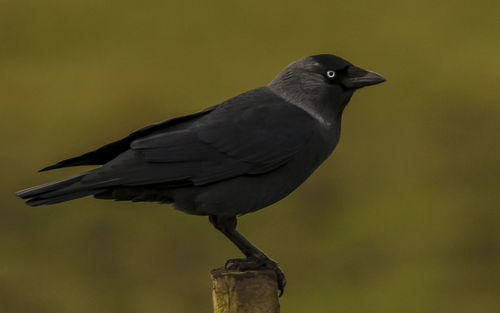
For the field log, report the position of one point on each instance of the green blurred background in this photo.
(404, 217)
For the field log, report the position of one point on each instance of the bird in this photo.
(227, 160)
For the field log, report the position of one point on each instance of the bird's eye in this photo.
(330, 74)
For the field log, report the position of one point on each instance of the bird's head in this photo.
(322, 79)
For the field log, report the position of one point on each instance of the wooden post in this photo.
(253, 291)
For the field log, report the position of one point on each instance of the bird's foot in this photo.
(255, 263)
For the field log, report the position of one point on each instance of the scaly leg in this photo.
(255, 258)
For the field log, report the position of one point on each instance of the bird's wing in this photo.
(248, 135)
(110, 151)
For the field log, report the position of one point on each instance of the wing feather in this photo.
(110, 151)
(250, 138)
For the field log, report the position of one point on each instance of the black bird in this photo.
(237, 157)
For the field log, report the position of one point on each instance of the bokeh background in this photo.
(404, 217)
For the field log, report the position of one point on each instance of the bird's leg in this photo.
(255, 259)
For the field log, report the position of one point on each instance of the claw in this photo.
(234, 264)
(281, 281)
(244, 264)
(226, 265)
(280, 276)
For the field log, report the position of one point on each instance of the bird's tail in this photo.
(55, 192)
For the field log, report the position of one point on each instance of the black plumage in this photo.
(230, 159)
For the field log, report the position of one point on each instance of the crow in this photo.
(230, 159)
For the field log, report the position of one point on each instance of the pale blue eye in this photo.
(330, 74)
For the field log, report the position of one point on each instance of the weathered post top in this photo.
(254, 291)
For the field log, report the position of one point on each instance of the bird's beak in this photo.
(358, 77)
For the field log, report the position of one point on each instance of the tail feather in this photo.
(36, 201)
(54, 192)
